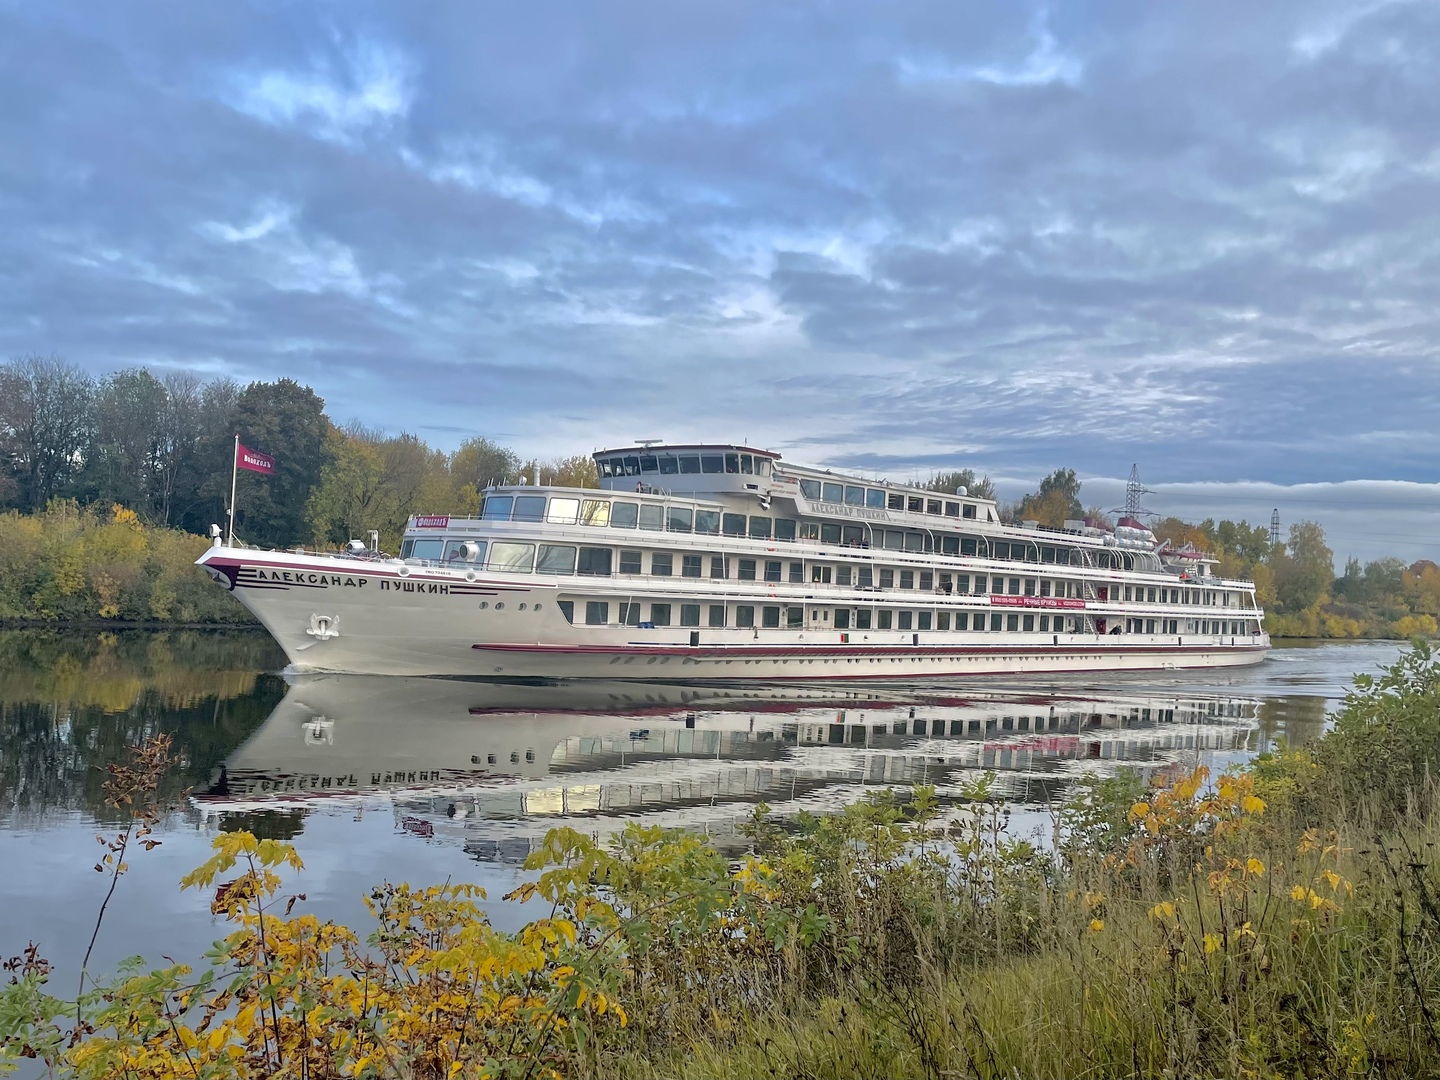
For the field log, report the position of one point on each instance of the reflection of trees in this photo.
(71, 704)
(266, 824)
(1296, 719)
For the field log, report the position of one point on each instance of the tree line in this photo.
(161, 446)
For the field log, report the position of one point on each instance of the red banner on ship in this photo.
(1035, 601)
(253, 460)
(432, 521)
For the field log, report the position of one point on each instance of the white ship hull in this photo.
(339, 614)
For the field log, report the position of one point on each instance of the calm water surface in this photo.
(377, 778)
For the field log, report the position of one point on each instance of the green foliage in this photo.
(1056, 501)
(980, 487)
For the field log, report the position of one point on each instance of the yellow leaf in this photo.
(1212, 942)
(1254, 866)
(1252, 804)
(1096, 925)
(1140, 810)
(1298, 892)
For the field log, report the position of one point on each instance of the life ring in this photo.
(404, 571)
(470, 575)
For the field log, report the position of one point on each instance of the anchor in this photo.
(324, 627)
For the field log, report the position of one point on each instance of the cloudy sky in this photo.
(901, 236)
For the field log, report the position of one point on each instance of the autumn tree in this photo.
(1305, 570)
(45, 416)
(979, 487)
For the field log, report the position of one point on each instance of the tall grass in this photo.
(1282, 920)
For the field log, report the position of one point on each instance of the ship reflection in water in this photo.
(495, 766)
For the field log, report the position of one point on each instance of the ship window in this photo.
(770, 617)
(662, 564)
(927, 580)
(567, 608)
(497, 507)
(932, 506)
(1028, 623)
(555, 559)
(1045, 588)
(952, 509)
(563, 511)
(875, 498)
(810, 489)
(717, 614)
(797, 573)
(915, 541)
(832, 493)
(649, 463)
(1045, 623)
(962, 583)
(762, 466)
(689, 614)
(624, 515)
(867, 577)
(969, 510)
(829, 533)
(732, 463)
(895, 502)
(942, 620)
(862, 619)
(820, 575)
(842, 618)
(915, 504)
(950, 545)
(744, 616)
(894, 540)
(773, 570)
(907, 579)
(784, 528)
(997, 585)
(713, 463)
(717, 567)
(1012, 622)
(690, 463)
(707, 521)
(883, 620)
(652, 516)
(809, 530)
(760, 528)
(795, 617)
(733, 524)
(690, 565)
(602, 466)
(746, 570)
(1127, 593)
(1014, 586)
(1047, 554)
(842, 575)
(511, 558)
(629, 614)
(962, 620)
(630, 562)
(1000, 550)
(405, 546)
(922, 620)
(854, 496)
(594, 561)
(529, 508)
(425, 549)
(660, 614)
(595, 512)
(597, 612)
(852, 535)
(887, 579)
(1029, 586)
(679, 519)
(668, 465)
(968, 545)
(745, 463)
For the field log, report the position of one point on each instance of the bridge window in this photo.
(555, 559)
(712, 463)
(594, 561)
(649, 463)
(746, 463)
(732, 463)
(669, 466)
(512, 558)
(952, 509)
(810, 489)
(690, 463)
(969, 510)
(455, 551)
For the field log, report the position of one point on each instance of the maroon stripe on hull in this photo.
(885, 652)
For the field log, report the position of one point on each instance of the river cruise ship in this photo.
(718, 562)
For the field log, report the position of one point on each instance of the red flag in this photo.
(253, 460)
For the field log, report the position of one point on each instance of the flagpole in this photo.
(234, 472)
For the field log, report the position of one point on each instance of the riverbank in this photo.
(1279, 921)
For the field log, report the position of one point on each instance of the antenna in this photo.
(648, 442)
(1134, 491)
(1275, 526)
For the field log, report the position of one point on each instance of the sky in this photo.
(1197, 237)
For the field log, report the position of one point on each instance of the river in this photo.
(425, 780)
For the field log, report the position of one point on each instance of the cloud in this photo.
(1008, 236)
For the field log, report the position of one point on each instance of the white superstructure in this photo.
(699, 563)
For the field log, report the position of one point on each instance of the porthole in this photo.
(522, 607)
(536, 607)
(499, 605)
(484, 604)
